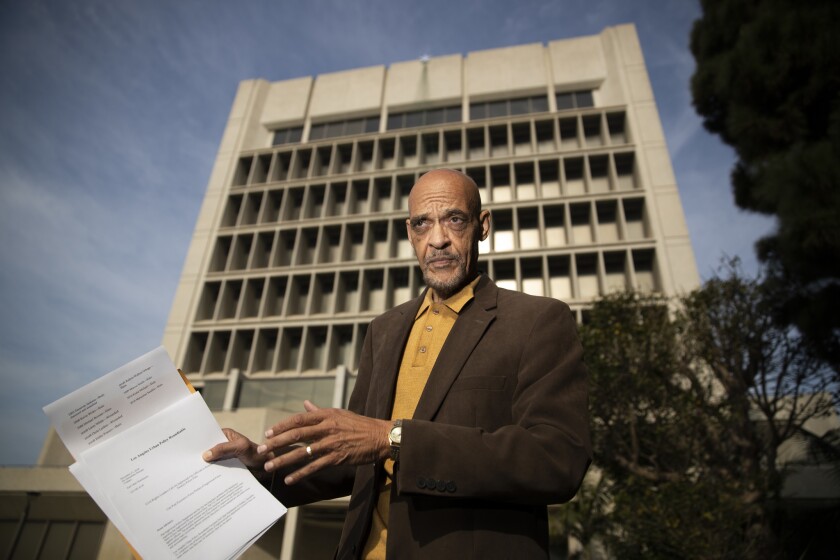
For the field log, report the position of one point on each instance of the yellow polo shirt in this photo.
(432, 325)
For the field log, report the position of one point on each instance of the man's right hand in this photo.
(242, 448)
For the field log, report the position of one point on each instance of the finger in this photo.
(294, 456)
(226, 450)
(306, 470)
(310, 406)
(295, 421)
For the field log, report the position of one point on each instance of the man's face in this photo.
(444, 230)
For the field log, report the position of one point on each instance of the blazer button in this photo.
(421, 482)
(431, 483)
(440, 486)
(450, 486)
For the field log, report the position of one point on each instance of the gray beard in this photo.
(446, 288)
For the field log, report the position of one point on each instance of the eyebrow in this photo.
(447, 213)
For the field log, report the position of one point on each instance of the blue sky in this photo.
(111, 113)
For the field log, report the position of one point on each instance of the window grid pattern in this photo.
(312, 242)
(424, 117)
(287, 135)
(508, 107)
(345, 127)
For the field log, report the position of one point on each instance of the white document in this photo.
(147, 473)
(105, 407)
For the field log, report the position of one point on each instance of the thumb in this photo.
(309, 406)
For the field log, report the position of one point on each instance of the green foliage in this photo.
(691, 400)
(768, 82)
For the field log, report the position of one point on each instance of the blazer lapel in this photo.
(388, 355)
(463, 338)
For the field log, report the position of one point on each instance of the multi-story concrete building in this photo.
(301, 238)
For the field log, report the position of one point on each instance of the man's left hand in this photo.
(332, 436)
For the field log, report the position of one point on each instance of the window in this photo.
(424, 117)
(347, 127)
(508, 107)
(287, 135)
(575, 100)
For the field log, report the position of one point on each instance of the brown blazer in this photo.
(501, 430)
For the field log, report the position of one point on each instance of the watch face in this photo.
(395, 435)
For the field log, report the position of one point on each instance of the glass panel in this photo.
(317, 131)
(529, 232)
(643, 265)
(502, 231)
(504, 273)
(434, 116)
(555, 231)
(585, 99)
(565, 101)
(574, 176)
(559, 278)
(539, 104)
(614, 272)
(581, 229)
(599, 174)
(500, 177)
(57, 540)
(295, 134)
(86, 543)
(532, 280)
(395, 121)
(355, 126)
(497, 109)
(634, 223)
(568, 133)
(478, 111)
(213, 394)
(624, 168)
(587, 272)
(519, 106)
(414, 118)
(453, 114)
(607, 222)
(286, 394)
(592, 130)
(372, 124)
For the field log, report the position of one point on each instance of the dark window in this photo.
(539, 104)
(453, 114)
(434, 116)
(519, 107)
(396, 121)
(508, 107)
(575, 100)
(372, 124)
(287, 135)
(425, 117)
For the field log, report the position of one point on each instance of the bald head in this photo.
(448, 180)
(445, 225)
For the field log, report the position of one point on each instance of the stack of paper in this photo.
(137, 435)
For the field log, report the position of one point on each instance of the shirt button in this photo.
(422, 349)
(429, 328)
(436, 311)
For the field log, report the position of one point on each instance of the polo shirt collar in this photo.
(455, 302)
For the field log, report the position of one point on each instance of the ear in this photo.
(484, 223)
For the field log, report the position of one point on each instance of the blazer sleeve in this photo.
(541, 455)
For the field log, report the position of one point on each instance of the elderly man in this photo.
(468, 417)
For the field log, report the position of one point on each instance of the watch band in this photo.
(395, 439)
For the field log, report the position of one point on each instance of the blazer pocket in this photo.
(479, 382)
